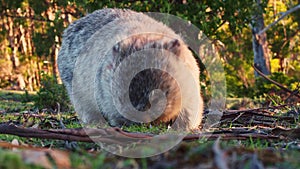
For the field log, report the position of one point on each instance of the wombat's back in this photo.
(76, 36)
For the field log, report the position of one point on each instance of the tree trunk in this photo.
(13, 44)
(259, 43)
(54, 55)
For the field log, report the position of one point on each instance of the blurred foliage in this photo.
(51, 94)
(262, 86)
(226, 23)
(13, 160)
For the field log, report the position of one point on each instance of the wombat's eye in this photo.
(154, 45)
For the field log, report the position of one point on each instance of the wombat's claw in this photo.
(71, 145)
(169, 128)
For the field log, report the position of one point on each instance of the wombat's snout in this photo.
(149, 87)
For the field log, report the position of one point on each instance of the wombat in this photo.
(95, 46)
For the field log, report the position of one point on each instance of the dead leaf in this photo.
(61, 158)
(16, 143)
(36, 157)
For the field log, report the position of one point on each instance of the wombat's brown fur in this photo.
(88, 38)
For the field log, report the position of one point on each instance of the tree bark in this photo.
(259, 43)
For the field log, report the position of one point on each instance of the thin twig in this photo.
(241, 114)
(280, 18)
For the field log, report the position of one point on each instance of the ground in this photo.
(258, 138)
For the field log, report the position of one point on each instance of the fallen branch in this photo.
(116, 135)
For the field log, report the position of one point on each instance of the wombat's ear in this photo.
(173, 46)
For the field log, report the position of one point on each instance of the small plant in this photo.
(51, 94)
(26, 97)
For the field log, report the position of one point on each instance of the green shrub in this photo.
(10, 160)
(263, 86)
(50, 94)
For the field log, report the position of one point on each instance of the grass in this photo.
(145, 128)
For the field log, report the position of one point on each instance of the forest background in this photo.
(31, 34)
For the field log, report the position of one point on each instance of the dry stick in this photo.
(6, 128)
(280, 18)
(239, 114)
(236, 118)
(220, 157)
(276, 83)
(295, 92)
